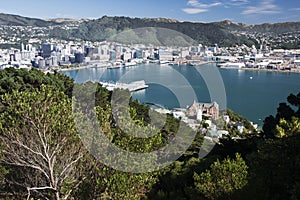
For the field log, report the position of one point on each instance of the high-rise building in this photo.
(41, 63)
(79, 57)
(112, 55)
(46, 50)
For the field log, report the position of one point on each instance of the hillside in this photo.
(16, 20)
(224, 33)
(105, 27)
(278, 28)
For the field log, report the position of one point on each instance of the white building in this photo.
(226, 118)
(165, 55)
(127, 56)
(235, 65)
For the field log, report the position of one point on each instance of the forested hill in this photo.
(278, 28)
(224, 33)
(16, 20)
(206, 33)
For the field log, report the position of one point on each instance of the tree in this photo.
(40, 142)
(288, 128)
(223, 178)
(285, 114)
(23, 80)
(295, 101)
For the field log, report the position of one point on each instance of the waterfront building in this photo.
(297, 63)
(207, 109)
(165, 55)
(184, 53)
(138, 54)
(127, 56)
(90, 51)
(79, 57)
(112, 55)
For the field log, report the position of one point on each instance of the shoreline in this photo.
(80, 67)
(263, 70)
(297, 71)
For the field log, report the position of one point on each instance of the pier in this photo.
(132, 87)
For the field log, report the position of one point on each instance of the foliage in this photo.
(249, 130)
(274, 166)
(274, 169)
(288, 128)
(15, 20)
(285, 114)
(223, 178)
(116, 184)
(106, 27)
(21, 79)
(256, 167)
(39, 137)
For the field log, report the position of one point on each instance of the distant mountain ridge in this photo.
(223, 33)
(16, 20)
(277, 28)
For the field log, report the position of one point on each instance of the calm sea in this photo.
(253, 94)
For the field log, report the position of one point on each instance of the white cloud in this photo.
(197, 4)
(295, 9)
(197, 7)
(238, 2)
(194, 10)
(265, 7)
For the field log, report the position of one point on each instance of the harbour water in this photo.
(253, 94)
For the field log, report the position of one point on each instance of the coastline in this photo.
(263, 70)
(297, 71)
(81, 67)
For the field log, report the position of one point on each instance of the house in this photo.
(240, 127)
(207, 109)
(226, 118)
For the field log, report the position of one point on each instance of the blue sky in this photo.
(245, 11)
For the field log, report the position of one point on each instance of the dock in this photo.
(132, 87)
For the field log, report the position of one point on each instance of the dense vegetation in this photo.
(42, 156)
(106, 27)
(224, 33)
(16, 20)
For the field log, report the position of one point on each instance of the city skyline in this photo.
(242, 11)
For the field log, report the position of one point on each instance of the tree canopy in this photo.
(42, 155)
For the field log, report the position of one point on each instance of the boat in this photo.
(174, 63)
(146, 61)
(130, 64)
(232, 65)
(164, 62)
(115, 65)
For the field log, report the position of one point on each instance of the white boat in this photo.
(234, 65)
(164, 62)
(129, 64)
(115, 65)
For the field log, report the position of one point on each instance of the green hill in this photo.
(223, 33)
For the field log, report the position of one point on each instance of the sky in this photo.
(242, 11)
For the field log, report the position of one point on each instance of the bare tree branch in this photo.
(42, 138)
